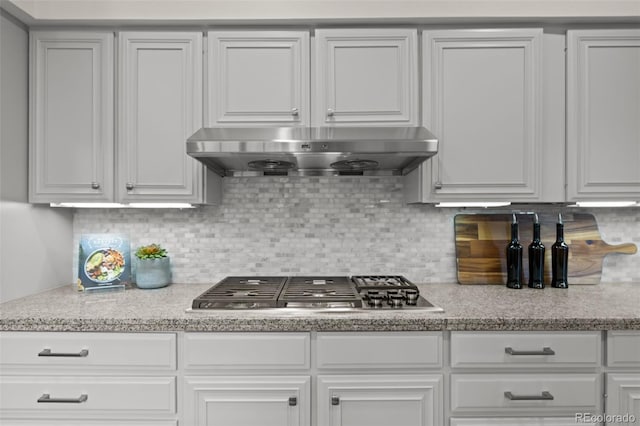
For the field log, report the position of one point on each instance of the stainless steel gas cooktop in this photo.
(367, 292)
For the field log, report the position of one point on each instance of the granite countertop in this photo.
(478, 307)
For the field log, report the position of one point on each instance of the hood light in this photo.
(474, 204)
(124, 206)
(605, 204)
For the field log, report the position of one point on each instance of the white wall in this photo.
(35, 241)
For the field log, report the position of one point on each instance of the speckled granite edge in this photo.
(311, 324)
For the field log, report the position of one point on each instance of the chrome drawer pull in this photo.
(544, 396)
(545, 351)
(47, 352)
(293, 401)
(335, 400)
(47, 398)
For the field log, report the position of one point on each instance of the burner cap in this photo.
(319, 293)
(271, 165)
(355, 165)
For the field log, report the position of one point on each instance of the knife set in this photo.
(536, 251)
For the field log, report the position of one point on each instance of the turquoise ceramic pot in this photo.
(153, 273)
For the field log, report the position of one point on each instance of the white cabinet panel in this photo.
(142, 351)
(258, 77)
(515, 421)
(160, 88)
(603, 114)
(623, 348)
(247, 401)
(525, 349)
(482, 98)
(366, 76)
(82, 394)
(525, 393)
(396, 400)
(379, 350)
(623, 399)
(71, 116)
(86, 422)
(247, 350)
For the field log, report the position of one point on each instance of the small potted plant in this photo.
(153, 267)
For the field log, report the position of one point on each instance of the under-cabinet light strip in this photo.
(473, 204)
(126, 206)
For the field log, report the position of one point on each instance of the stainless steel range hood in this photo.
(309, 151)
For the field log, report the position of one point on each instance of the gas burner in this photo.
(240, 293)
(319, 293)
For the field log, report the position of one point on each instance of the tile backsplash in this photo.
(320, 225)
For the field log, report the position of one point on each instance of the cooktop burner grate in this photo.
(317, 291)
(382, 282)
(242, 293)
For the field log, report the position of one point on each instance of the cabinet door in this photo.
(603, 115)
(380, 400)
(481, 98)
(247, 401)
(160, 82)
(258, 77)
(514, 421)
(366, 77)
(623, 398)
(71, 116)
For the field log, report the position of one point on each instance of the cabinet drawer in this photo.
(124, 350)
(149, 395)
(530, 349)
(379, 350)
(541, 394)
(515, 421)
(20, 422)
(623, 349)
(247, 350)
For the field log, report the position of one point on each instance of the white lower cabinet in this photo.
(525, 378)
(49, 422)
(247, 401)
(623, 378)
(99, 379)
(371, 400)
(525, 393)
(623, 399)
(514, 421)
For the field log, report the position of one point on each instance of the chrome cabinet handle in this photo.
(95, 185)
(330, 112)
(129, 186)
(544, 396)
(545, 351)
(293, 401)
(47, 352)
(47, 398)
(295, 112)
(335, 400)
(437, 185)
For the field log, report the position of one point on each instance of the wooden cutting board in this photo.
(481, 241)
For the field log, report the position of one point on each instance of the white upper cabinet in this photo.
(160, 106)
(258, 77)
(71, 116)
(366, 77)
(603, 115)
(482, 98)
